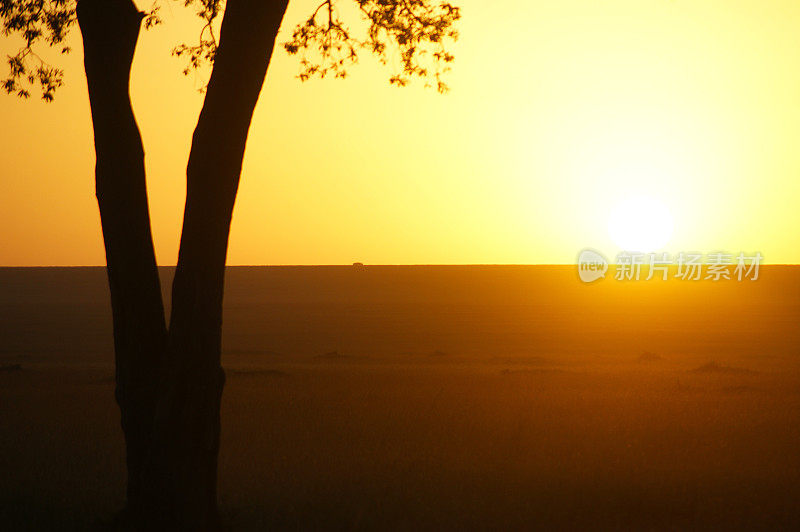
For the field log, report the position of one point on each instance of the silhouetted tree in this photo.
(169, 379)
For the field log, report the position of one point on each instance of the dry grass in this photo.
(537, 412)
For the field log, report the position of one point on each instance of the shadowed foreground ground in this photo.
(430, 397)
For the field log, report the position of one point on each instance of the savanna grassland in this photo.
(427, 397)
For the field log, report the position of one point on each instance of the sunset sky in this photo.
(559, 114)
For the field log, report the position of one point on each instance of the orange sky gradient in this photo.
(559, 111)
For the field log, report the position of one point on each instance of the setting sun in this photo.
(640, 223)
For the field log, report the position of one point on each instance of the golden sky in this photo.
(559, 113)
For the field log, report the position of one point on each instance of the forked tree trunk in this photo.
(169, 385)
(110, 29)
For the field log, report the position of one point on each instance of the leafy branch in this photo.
(418, 31)
(34, 21)
(205, 50)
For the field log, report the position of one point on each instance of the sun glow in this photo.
(556, 115)
(640, 223)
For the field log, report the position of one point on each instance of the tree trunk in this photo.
(183, 470)
(169, 384)
(110, 29)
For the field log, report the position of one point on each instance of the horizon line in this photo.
(349, 265)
